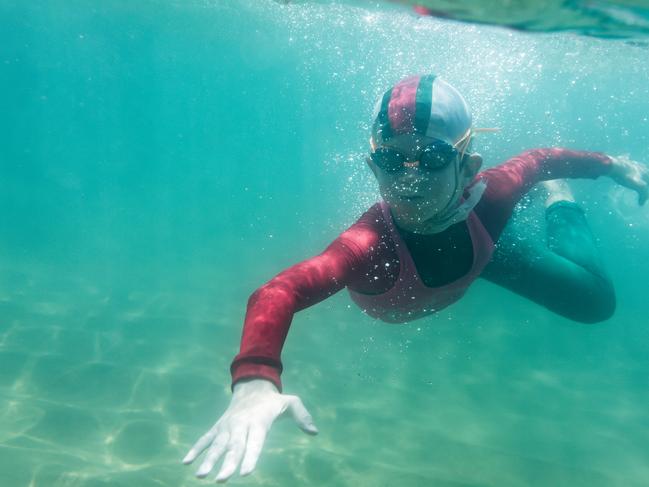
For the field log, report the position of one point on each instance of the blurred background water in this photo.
(602, 18)
(162, 159)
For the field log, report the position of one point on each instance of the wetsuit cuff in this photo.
(247, 371)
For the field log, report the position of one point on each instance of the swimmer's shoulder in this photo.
(368, 232)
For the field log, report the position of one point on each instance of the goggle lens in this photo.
(433, 157)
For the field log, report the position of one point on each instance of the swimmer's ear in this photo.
(372, 165)
(471, 166)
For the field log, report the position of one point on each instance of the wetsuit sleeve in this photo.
(508, 182)
(272, 306)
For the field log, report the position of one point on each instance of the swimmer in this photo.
(419, 249)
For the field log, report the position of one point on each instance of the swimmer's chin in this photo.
(413, 209)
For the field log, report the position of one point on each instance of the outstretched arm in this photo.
(272, 306)
(257, 401)
(508, 182)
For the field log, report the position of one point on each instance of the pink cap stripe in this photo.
(401, 109)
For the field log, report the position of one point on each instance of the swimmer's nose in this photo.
(412, 173)
(409, 179)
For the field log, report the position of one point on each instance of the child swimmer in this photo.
(419, 249)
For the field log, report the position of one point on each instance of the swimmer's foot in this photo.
(558, 190)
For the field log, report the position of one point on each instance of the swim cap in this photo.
(425, 105)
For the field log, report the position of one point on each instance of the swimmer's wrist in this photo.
(617, 166)
(253, 385)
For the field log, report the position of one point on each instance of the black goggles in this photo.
(433, 157)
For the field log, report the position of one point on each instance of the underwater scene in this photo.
(162, 159)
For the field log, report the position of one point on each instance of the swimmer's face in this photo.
(416, 194)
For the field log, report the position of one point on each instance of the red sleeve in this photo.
(272, 306)
(508, 182)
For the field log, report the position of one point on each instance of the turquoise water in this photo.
(160, 160)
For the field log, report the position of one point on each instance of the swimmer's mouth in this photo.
(409, 197)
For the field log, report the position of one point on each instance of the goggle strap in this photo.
(462, 145)
(486, 130)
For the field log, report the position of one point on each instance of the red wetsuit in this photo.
(363, 258)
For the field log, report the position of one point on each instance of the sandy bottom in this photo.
(100, 387)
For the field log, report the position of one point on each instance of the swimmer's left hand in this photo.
(631, 174)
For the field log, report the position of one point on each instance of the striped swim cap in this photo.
(425, 105)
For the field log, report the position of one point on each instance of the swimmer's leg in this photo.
(566, 275)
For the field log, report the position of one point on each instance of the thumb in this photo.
(301, 415)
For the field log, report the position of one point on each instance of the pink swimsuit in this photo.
(410, 298)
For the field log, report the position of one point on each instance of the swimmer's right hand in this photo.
(631, 174)
(241, 431)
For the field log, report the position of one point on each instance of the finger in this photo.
(213, 454)
(256, 438)
(301, 415)
(233, 456)
(202, 443)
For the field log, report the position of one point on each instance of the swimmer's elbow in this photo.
(274, 291)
